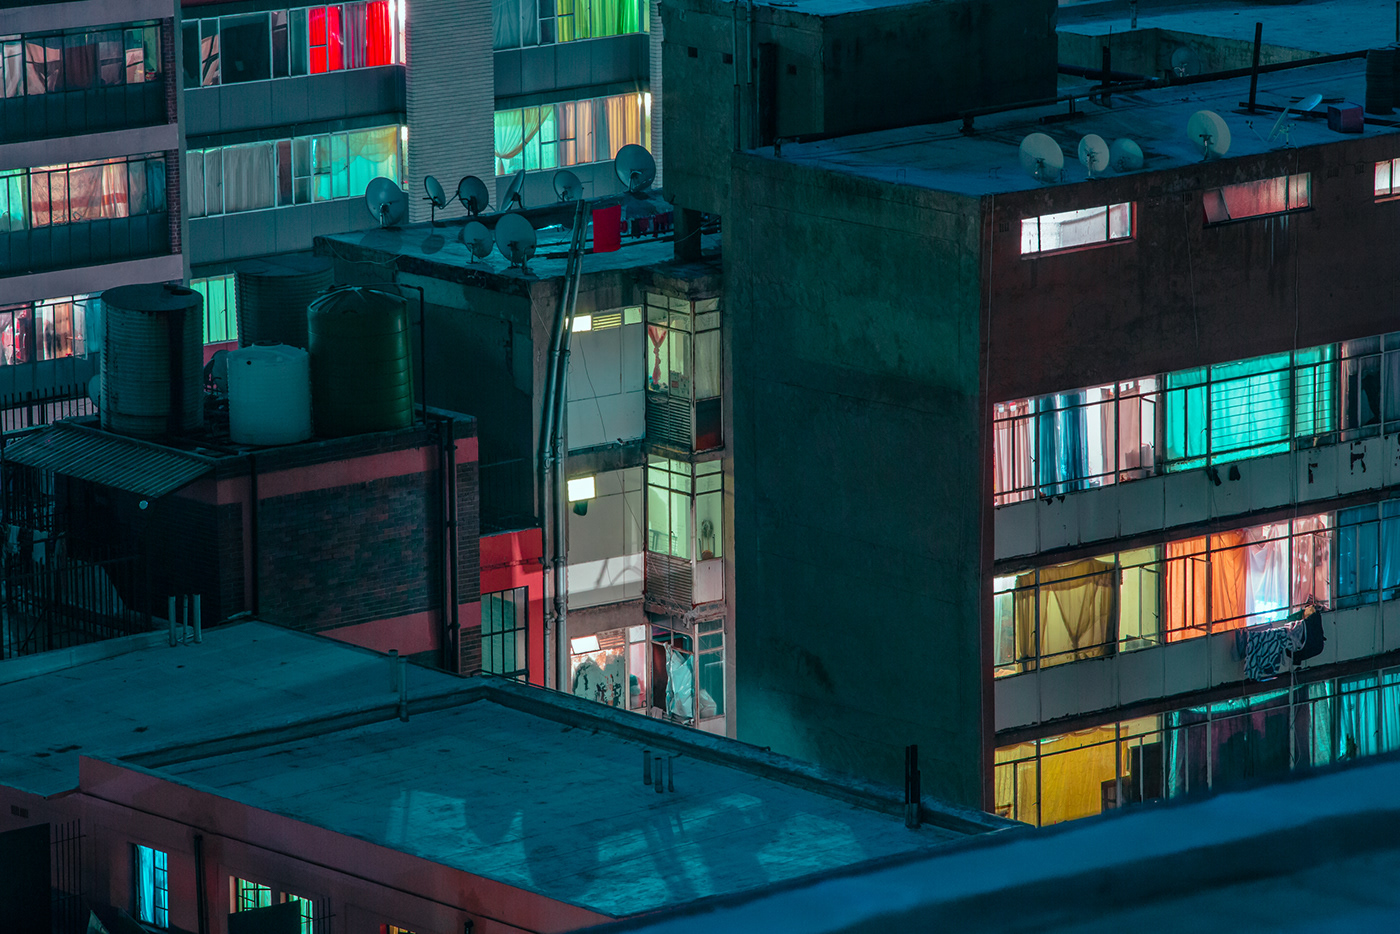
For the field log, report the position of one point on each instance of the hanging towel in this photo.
(1264, 653)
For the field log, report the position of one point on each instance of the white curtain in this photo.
(250, 177)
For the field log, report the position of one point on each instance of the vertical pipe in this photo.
(1104, 93)
(560, 455)
(170, 619)
(656, 768)
(201, 896)
(734, 44)
(393, 670)
(646, 766)
(253, 528)
(671, 773)
(198, 619)
(748, 70)
(403, 688)
(1254, 69)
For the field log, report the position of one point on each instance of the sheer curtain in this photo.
(1229, 579)
(1249, 404)
(1013, 456)
(373, 153)
(624, 123)
(1078, 604)
(510, 140)
(1267, 593)
(250, 177)
(1185, 605)
(1312, 559)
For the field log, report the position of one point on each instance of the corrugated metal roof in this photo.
(112, 460)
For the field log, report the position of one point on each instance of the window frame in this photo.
(1108, 239)
(519, 599)
(158, 897)
(1289, 208)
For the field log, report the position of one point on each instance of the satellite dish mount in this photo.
(437, 198)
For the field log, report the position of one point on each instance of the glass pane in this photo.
(712, 683)
(680, 525)
(707, 365)
(1383, 177)
(279, 44)
(298, 52)
(1120, 221)
(245, 48)
(709, 525)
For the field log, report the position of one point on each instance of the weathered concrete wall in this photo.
(1149, 51)
(1180, 294)
(854, 306)
(858, 71)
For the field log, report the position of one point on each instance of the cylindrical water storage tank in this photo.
(152, 360)
(273, 295)
(269, 394)
(361, 367)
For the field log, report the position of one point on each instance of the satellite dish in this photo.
(635, 167)
(479, 240)
(474, 195)
(1207, 129)
(513, 192)
(1185, 62)
(567, 186)
(436, 196)
(1093, 153)
(386, 201)
(515, 238)
(1125, 155)
(1302, 107)
(1042, 157)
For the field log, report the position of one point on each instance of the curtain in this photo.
(356, 31)
(1390, 711)
(707, 365)
(1185, 603)
(194, 183)
(1013, 461)
(1266, 554)
(1062, 453)
(1186, 418)
(250, 180)
(1078, 605)
(1361, 382)
(624, 124)
(506, 22)
(1312, 559)
(1229, 579)
(14, 200)
(1315, 376)
(1390, 549)
(145, 885)
(373, 153)
(44, 59)
(379, 34)
(1249, 406)
(12, 67)
(111, 58)
(510, 140)
(1358, 719)
(1137, 422)
(1072, 782)
(1358, 556)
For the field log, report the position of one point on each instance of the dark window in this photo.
(245, 48)
(503, 622)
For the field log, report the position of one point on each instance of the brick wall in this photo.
(173, 169)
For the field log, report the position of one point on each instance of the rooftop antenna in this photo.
(1042, 157)
(436, 196)
(386, 201)
(567, 186)
(515, 238)
(1280, 127)
(635, 168)
(1093, 153)
(1185, 62)
(1208, 130)
(473, 195)
(1125, 155)
(513, 192)
(479, 240)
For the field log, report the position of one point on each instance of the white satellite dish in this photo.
(1302, 107)
(1042, 157)
(567, 186)
(513, 192)
(635, 167)
(1125, 155)
(515, 238)
(473, 194)
(1093, 153)
(386, 201)
(1207, 129)
(1185, 62)
(479, 240)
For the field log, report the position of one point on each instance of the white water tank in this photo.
(269, 394)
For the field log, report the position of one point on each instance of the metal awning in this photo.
(111, 460)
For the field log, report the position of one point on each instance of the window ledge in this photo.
(1119, 241)
(1257, 217)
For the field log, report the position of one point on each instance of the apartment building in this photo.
(270, 780)
(90, 177)
(291, 113)
(649, 620)
(1084, 433)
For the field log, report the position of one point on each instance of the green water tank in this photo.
(361, 366)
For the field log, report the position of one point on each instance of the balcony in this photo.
(66, 246)
(72, 113)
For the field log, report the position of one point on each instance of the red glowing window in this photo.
(379, 34)
(327, 39)
(1256, 199)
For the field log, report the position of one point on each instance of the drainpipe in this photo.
(748, 70)
(734, 44)
(561, 453)
(447, 463)
(253, 527)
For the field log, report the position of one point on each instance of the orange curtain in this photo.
(1186, 589)
(1229, 579)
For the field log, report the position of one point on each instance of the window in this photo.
(220, 307)
(247, 895)
(1256, 199)
(571, 133)
(278, 173)
(292, 43)
(1387, 178)
(305, 909)
(79, 60)
(504, 618)
(684, 364)
(45, 330)
(1070, 229)
(711, 667)
(518, 23)
(1369, 386)
(685, 509)
(82, 191)
(151, 884)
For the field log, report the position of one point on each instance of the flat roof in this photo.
(1313, 853)
(940, 157)
(1323, 26)
(126, 696)
(558, 807)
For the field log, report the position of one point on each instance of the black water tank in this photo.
(152, 360)
(273, 295)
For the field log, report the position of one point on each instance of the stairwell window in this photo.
(1070, 230)
(1258, 199)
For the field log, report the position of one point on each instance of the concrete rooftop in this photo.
(1316, 854)
(243, 678)
(1322, 26)
(940, 157)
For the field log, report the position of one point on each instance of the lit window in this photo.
(1257, 199)
(304, 909)
(581, 323)
(519, 23)
(1388, 178)
(581, 488)
(151, 878)
(504, 616)
(245, 895)
(685, 509)
(570, 133)
(1070, 229)
(45, 330)
(291, 43)
(220, 307)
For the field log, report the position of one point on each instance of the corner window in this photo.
(1070, 229)
(685, 509)
(1257, 199)
(151, 886)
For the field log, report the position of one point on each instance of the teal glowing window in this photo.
(517, 23)
(220, 307)
(151, 884)
(570, 133)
